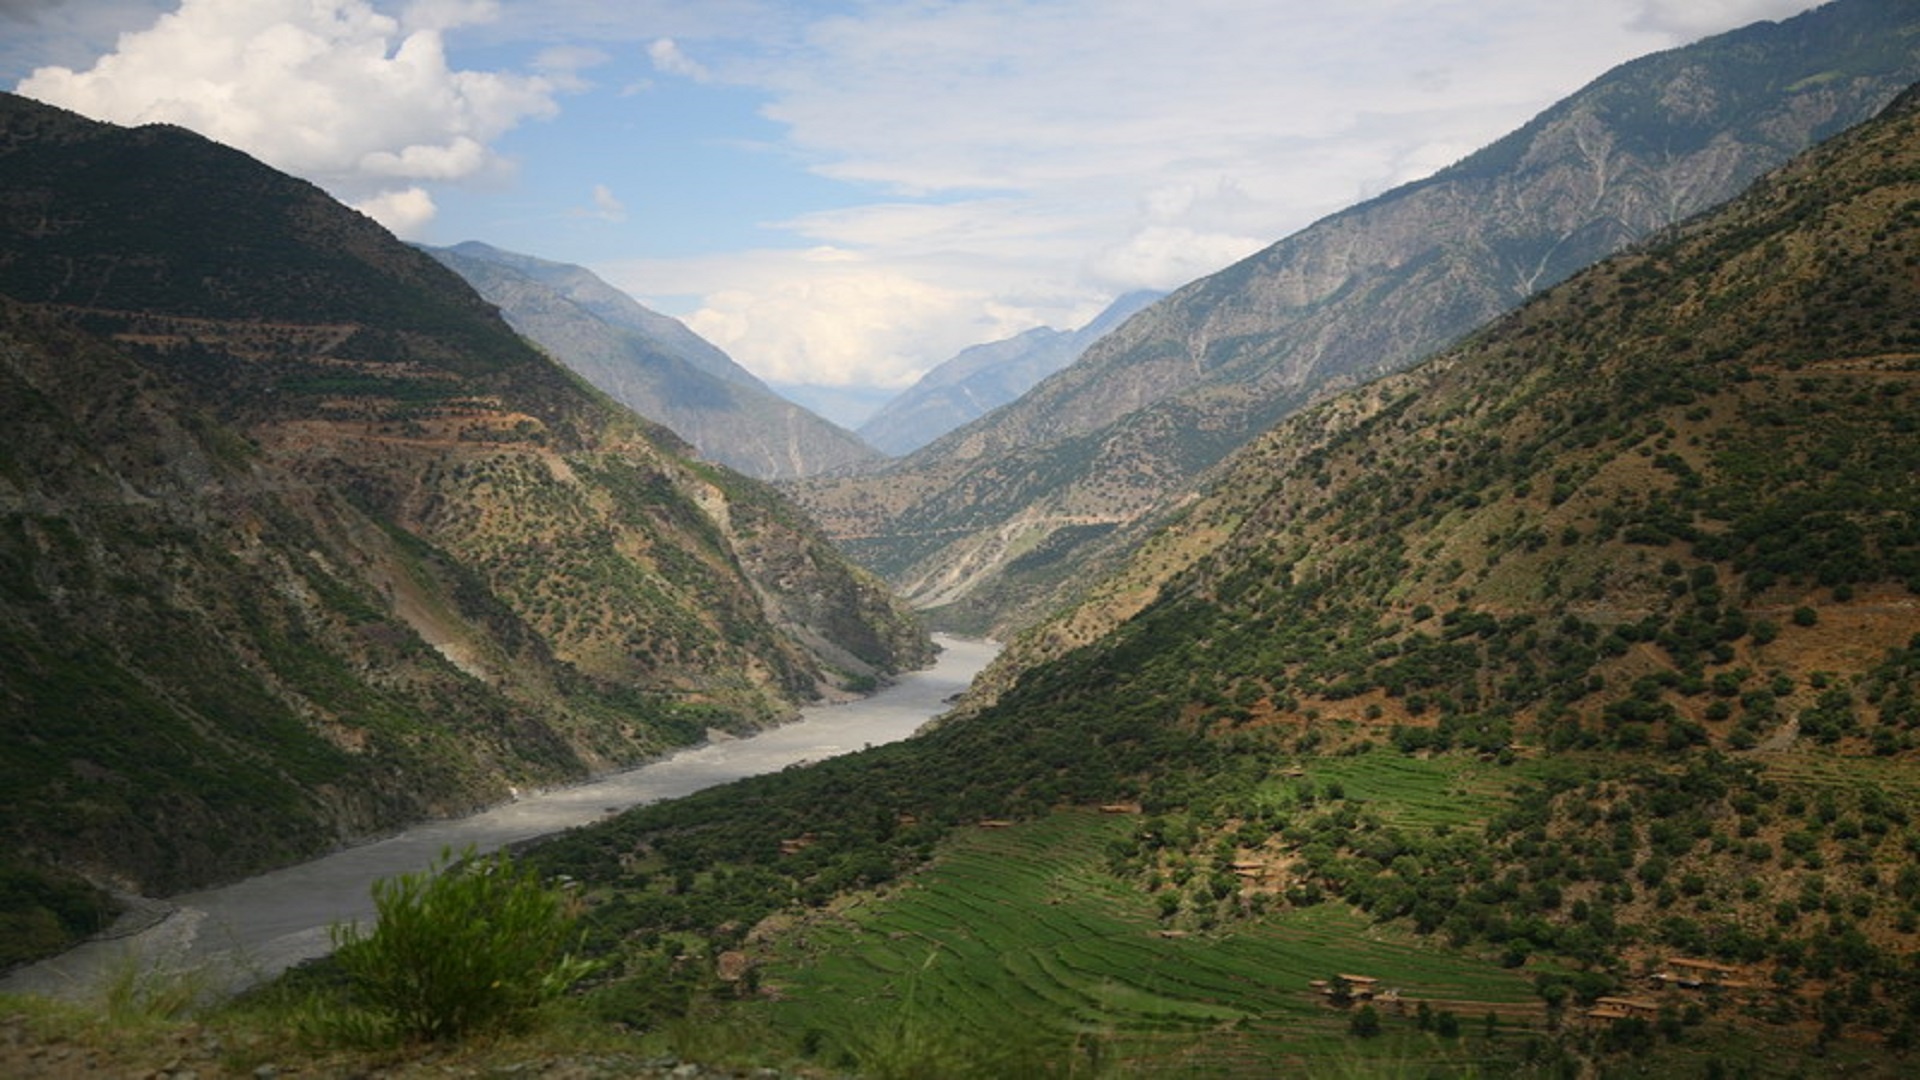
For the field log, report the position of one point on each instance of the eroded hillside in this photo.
(301, 542)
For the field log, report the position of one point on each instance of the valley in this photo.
(1475, 635)
(241, 934)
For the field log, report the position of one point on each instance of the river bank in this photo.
(243, 933)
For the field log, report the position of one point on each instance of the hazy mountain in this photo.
(1577, 652)
(655, 366)
(984, 377)
(299, 540)
(986, 520)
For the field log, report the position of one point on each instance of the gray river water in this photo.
(251, 930)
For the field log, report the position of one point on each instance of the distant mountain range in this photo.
(655, 366)
(299, 541)
(983, 525)
(984, 377)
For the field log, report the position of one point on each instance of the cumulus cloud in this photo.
(405, 213)
(360, 102)
(1167, 256)
(669, 60)
(840, 325)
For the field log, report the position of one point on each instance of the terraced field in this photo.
(1414, 792)
(1017, 940)
(1823, 771)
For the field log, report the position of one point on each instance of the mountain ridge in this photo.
(299, 541)
(984, 377)
(656, 366)
(1125, 432)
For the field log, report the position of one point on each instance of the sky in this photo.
(844, 193)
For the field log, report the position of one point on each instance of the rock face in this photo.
(655, 366)
(299, 541)
(985, 377)
(1032, 495)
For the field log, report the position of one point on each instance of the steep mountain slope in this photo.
(299, 541)
(985, 377)
(1034, 487)
(655, 366)
(1588, 649)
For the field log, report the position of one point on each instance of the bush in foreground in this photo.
(462, 948)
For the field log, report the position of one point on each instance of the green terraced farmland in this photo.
(1417, 792)
(1018, 942)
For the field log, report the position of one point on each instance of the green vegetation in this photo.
(43, 911)
(1585, 648)
(303, 542)
(1028, 922)
(460, 950)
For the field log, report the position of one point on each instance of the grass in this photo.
(1025, 923)
(1448, 789)
(1825, 770)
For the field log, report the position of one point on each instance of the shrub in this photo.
(1364, 1023)
(461, 948)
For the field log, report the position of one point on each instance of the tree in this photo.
(1365, 1022)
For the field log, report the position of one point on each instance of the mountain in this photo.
(1026, 499)
(984, 377)
(655, 366)
(1568, 680)
(299, 541)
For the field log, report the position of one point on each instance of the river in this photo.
(249, 931)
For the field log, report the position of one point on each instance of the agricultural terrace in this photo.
(1027, 923)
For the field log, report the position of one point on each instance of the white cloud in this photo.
(331, 90)
(668, 59)
(829, 316)
(406, 213)
(1074, 146)
(990, 166)
(1167, 256)
(606, 206)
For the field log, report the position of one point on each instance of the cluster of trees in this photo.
(1586, 863)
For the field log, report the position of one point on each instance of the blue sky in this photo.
(844, 194)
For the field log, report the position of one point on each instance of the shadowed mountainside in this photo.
(299, 541)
